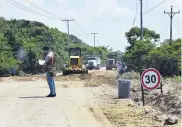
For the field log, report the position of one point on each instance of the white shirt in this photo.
(48, 57)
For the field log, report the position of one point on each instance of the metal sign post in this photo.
(150, 79)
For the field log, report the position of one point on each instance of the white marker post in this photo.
(150, 80)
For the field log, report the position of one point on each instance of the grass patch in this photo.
(124, 115)
(177, 79)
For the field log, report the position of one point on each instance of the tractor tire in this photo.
(65, 72)
(108, 68)
(86, 71)
(98, 67)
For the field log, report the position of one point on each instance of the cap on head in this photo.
(45, 48)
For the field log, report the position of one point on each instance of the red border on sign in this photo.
(158, 76)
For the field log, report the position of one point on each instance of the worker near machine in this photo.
(49, 69)
(120, 67)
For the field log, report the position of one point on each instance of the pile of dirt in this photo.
(97, 79)
(93, 79)
(124, 112)
(169, 102)
(129, 115)
(159, 107)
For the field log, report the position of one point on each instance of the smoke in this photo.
(21, 54)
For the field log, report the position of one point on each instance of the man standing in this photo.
(49, 68)
(120, 67)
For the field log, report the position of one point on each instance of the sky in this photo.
(109, 18)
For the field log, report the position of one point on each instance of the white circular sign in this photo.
(150, 78)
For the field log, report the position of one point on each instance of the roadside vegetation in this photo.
(21, 42)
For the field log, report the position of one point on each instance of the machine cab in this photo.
(111, 61)
(75, 65)
(75, 56)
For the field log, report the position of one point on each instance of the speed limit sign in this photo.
(150, 78)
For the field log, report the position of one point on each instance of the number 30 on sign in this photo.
(150, 78)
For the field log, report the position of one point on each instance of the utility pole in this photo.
(94, 37)
(171, 15)
(67, 20)
(141, 19)
(141, 37)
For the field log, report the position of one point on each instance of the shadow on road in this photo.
(115, 98)
(32, 97)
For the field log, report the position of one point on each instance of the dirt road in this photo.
(23, 104)
(80, 102)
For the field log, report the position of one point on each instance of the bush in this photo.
(130, 75)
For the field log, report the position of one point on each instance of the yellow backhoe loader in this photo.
(75, 65)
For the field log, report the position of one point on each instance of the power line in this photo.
(52, 14)
(81, 28)
(67, 20)
(171, 15)
(55, 15)
(135, 13)
(26, 9)
(73, 30)
(42, 9)
(22, 8)
(154, 7)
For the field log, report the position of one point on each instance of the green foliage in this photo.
(134, 33)
(22, 40)
(144, 54)
(167, 58)
(6, 57)
(137, 54)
